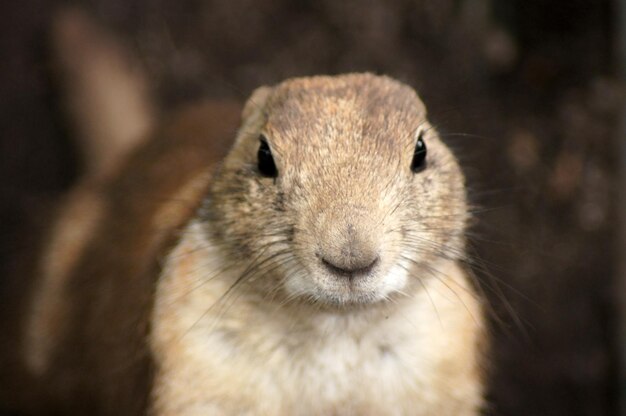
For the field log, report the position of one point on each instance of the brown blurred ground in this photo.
(525, 91)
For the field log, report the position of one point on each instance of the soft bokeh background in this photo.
(526, 91)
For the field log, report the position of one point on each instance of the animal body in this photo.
(297, 256)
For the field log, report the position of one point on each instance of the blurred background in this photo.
(529, 93)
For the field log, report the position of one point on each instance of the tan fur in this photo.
(73, 230)
(106, 92)
(246, 355)
(179, 280)
(106, 95)
(404, 340)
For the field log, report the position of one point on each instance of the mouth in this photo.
(351, 273)
(360, 286)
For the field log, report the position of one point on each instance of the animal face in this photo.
(339, 191)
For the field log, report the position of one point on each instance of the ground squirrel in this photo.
(309, 267)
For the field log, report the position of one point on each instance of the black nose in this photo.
(351, 271)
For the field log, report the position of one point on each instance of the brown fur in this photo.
(106, 92)
(177, 280)
(343, 147)
(100, 363)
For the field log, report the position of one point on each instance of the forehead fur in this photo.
(371, 111)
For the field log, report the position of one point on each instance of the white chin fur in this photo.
(369, 291)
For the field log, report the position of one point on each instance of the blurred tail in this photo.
(106, 93)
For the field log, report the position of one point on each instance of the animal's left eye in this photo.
(265, 161)
(419, 155)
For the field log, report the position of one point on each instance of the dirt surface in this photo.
(525, 91)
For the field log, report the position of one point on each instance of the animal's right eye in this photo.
(419, 154)
(266, 164)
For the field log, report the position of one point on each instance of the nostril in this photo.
(350, 271)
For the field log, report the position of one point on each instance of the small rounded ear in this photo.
(256, 102)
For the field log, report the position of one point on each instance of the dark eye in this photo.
(267, 167)
(419, 155)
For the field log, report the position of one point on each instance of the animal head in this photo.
(338, 190)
